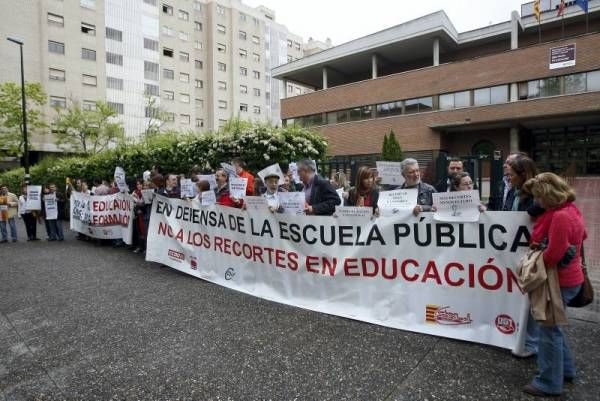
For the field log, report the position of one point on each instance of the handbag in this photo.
(585, 296)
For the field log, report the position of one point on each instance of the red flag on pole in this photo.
(561, 8)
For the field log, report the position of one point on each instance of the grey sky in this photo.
(344, 20)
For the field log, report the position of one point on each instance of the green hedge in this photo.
(259, 145)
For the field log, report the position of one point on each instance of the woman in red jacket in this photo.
(565, 230)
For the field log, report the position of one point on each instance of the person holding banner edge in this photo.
(412, 175)
(222, 191)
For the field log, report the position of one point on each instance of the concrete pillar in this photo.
(514, 30)
(436, 52)
(324, 77)
(374, 66)
(285, 84)
(514, 139)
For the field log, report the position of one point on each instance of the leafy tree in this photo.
(157, 116)
(391, 151)
(88, 131)
(11, 114)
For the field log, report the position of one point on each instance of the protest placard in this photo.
(51, 206)
(229, 169)
(120, 179)
(340, 192)
(147, 194)
(459, 206)
(237, 187)
(210, 178)
(396, 201)
(34, 197)
(292, 202)
(256, 203)
(208, 198)
(390, 172)
(187, 188)
(293, 167)
(353, 211)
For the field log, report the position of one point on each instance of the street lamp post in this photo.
(24, 107)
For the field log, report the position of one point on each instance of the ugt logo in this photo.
(229, 273)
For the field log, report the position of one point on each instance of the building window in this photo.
(184, 119)
(58, 102)
(221, 66)
(289, 59)
(222, 104)
(168, 31)
(243, 71)
(168, 74)
(198, 45)
(170, 117)
(256, 109)
(222, 85)
(184, 36)
(446, 101)
(57, 75)
(114, 34)
(289, 43)
(88, 105)
(243, 53)
(499, 94)
(199, 84)
(113, 58)
(481, 97)
(169, 95)
(418, 105)
(91, 4)
(243, 89)
(167, 9)
(185, 57)
(197, 26)
(150, 44)
(150, 2)
(243, 17)
(199, 104)
(197, 6)
(198, 64)
(256, 74)
(575, 83)
(242, 35)
(56, 47)
(221, 48)
(89, 80)
(167, 52)
(256, 92)
(183, 77)
(255, 40)
(184, 98)
(550, 86)
(118, 107)
(243, 107)
(183, 15)
(151, 112)
(88, 54)
(151, 70)
(297, 46)
(114, 83)
(88, 29)
(56, 20)
(220, 10)
(593, 81)
(256, 57)
(199, 123)
(221, 28)
(388, 109)
(151, 90)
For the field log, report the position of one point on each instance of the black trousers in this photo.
(30, 224)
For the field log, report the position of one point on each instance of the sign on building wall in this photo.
(563, 56)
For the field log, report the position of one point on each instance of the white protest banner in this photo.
(293, 167)
(353, 211)
(229, 169)
(208, 198)
(255, 203)
(340, 192)
(292, 202)
(120, 179)
(104, 217)
(147, 194)
(273, 169)
(393, 202)
(456, 206)
(186, 188)
(210, 178)
(34, 197)
(237, 187)
(405, 272)
(390, 173)
(51, 206)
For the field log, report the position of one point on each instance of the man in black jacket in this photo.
(455, 166)
(321, 197)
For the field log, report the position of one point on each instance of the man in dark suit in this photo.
(321, 197)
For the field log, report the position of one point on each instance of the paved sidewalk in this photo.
(84, 322)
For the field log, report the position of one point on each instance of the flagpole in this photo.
(540, 29)
(563, 25)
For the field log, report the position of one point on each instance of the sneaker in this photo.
(524, 354)
(536, 392)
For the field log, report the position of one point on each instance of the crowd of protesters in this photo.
(559, 228)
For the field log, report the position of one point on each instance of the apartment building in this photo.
(203, 62)
(516, 85)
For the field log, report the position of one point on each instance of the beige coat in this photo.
(542, 285)
(11, 201)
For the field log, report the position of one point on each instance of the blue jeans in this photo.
(533, 334)
(13, 229)
(56, 231)
(555, 361)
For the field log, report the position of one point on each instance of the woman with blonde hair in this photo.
(563, 226)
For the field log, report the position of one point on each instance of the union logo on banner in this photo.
(442, 315)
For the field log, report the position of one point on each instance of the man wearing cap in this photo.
(272, 191)
(321, 197)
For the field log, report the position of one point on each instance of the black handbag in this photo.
(585, 296)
